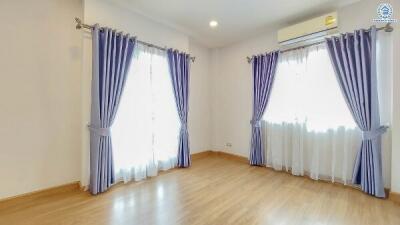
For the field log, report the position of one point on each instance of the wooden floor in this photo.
(215, 190)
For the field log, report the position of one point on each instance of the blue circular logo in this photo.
(385, 11)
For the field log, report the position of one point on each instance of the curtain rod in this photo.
(386, 28)
(80, 25)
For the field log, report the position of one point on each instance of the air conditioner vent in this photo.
(311, 29)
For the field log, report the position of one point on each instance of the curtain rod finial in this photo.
(78, 23)
(249, 59)
(388, 27)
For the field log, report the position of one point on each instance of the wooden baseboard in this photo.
(76, 185)
(387, 192)
(221, 154)
(201, 155)
(231, 156)
(44, 192)
(83, 187)
(395, 197)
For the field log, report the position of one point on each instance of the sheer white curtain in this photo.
(146, 128)
(308, 128)
(385, 79)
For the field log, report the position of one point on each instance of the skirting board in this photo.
(226, 155)
(78, 185)
(395, 197)
(201, 155)
(44, 192)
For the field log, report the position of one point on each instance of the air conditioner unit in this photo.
(313, 29)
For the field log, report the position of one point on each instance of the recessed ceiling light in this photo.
(213, 23)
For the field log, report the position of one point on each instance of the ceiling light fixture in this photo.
(213, 24)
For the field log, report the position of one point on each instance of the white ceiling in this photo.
(238, 19)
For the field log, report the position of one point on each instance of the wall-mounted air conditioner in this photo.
(313, 29)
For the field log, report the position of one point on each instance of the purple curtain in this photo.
(179, 71)
(353, 56)
(112, 54)
(264, 68)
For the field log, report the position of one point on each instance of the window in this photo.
(146, 128)
(305, 90)
(308, 127)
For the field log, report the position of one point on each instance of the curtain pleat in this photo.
(112, 53)
(179, 71)
(354, 60)
(264, 67)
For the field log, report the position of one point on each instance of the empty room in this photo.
(200, 112)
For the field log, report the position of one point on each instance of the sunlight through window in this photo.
(145, 133)
(306, 91)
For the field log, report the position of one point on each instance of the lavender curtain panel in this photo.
(264, 68)
(179, 71)
(353, 56)
(112, 54)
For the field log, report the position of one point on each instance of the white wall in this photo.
(232, 87)
(106, 14)
(232, 93)
(40, 61)
(200, 99)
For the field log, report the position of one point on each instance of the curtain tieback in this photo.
(372, 134)
(255, 123)
(106, 131)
